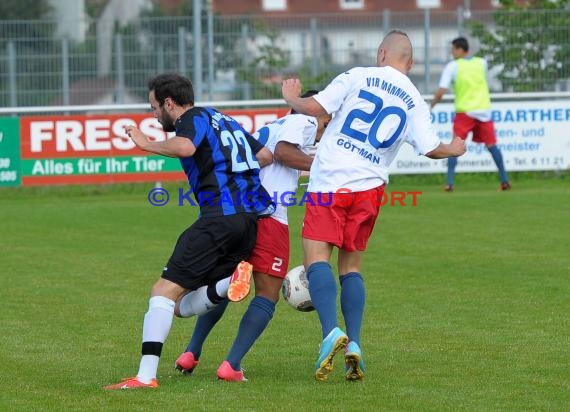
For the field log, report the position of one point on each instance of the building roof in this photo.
(233, 7)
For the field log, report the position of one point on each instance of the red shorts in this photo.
(483, 132)
(346, 221)
(271, 252)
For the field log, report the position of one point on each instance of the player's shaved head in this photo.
(396, 51)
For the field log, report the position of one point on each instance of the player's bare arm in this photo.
(437, 96)
(453, 149)
(291, 90)
(174, 147)
(264, 157)
(288, 154)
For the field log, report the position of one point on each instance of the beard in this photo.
(167, 124)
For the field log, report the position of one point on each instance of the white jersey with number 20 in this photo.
(375, 110)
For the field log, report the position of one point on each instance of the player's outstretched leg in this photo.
(352, 299)
(156, 326)
(204, 325)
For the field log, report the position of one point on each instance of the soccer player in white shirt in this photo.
(289, 139)
(375, 110)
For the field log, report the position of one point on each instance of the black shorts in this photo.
(210, 250)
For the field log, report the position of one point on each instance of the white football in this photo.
(295, 290)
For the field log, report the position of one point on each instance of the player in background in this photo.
(375, 110)
(289, 139)
(220, 159)
(472, 106)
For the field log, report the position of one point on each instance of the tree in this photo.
(154, 42)
(30, 39)
(529, 43)
(24, 9)
(262, 75)
(19, 13)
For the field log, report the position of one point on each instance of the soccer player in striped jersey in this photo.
(289, 139)
(222, 162)
(376, 110)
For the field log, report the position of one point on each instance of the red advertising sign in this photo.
(95, 149)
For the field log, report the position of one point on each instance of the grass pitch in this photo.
(467, 306)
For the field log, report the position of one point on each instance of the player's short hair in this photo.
(308, 93)
(173, 85)
(460, 43)
(397, 31)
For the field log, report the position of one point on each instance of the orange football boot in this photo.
(132, 383)
(240, 282)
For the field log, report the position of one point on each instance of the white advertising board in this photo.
(532, 135)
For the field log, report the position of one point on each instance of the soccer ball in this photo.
(295, 290)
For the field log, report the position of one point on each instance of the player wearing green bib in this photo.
(468, 75)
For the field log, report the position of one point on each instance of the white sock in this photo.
(198, 302)
(156, 326)
(222, 287)
(148, 368)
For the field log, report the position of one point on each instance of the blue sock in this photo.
(451, 164)
(322, 287)
(204, 325)
(498, 158)
(253, 323)
(352, 297)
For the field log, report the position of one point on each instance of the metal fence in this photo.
(244, 57)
